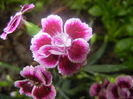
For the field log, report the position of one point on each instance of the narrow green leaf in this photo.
(93, 39)
(94, 57)
(31, 28)
(5, 83)
(104, 68)
(8, 66)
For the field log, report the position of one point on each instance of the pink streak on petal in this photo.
(57, 51)
(52, 25)
(124, 81)
(46, 74)
(29, 72)
(66, 67)
(45, 50)
(3, 36)
(112, 91)
(78, 51)
(25, 87)
(38, 41)
(50, 62)
(77, 29)
(13, 23)
(94, 89)
(27, 7)
(44, 92)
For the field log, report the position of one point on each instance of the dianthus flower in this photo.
(68, 49)
(99, 90)
(37, 83)
(121, 89)
(15, 21)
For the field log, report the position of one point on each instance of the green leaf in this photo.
(31, 28)
(8, 66)
(124, 47)
(5, 83)
(97, 55)
(93, 39)
(104, 68)
(95, 11)
(129, 28)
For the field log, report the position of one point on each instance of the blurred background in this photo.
(111, 45)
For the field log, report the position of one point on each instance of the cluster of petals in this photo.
(99, 90)
(15, 20)
(38, 83)
(66, 48)
(122, 88)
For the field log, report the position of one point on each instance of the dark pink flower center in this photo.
(42, 91)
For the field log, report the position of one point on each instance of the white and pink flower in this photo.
(68, 49)
(37, 83)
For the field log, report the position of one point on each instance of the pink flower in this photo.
(27, 7)
(121, 89)
(68, 49)
(37, 83)
(99, 90)
(15, 21)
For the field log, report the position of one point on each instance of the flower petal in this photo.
(105, 83)
(131, 92)
(46, 74)
(38, 41)
(124, 93)
(66, 67)
(112, 91)
(25, 87)
(95, 89)
(3, 35)
(76, 29)
(103, 95)
(36, 76)
(52, 25)
(78, 51)
(124, 81)
(12, 25)
(44, 92)
(45, 50)
(26, 7)
(50, 62)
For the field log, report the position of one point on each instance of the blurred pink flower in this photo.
(37, 83)
(121, 89)
(99, 90)
(15, 21)
(68, 49)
